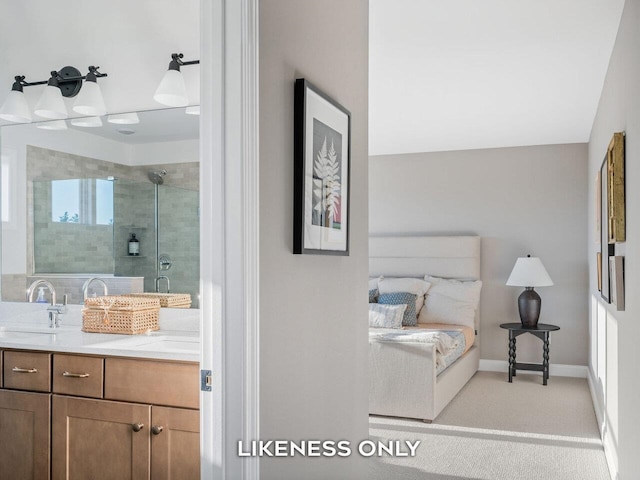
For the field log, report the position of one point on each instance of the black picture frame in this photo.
(322, 173)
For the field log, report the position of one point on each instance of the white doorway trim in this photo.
(229, 244)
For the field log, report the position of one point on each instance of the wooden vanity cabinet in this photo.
(145, 427)
(25, 416)
(24, 435)
(175, 443)
(100, 439)
(108, 418)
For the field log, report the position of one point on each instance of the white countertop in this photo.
(25, 326)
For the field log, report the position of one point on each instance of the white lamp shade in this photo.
(15, 108)
(53, 125)
(89, 101)
(192, 110)
(51, 105)
(529, 272)
(172, 91)
(90, 122)
(124, 118)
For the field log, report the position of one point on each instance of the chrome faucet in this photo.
(85, 287)
(55, 309)
(163, 277)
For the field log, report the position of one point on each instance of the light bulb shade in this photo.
(172, 91)
(124, 118)
(89, 101)
(51, 105)
(529, 272)
(15, 108)
(89, 122)
(192, 110)
(53, 125)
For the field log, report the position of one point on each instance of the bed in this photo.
(404, 381)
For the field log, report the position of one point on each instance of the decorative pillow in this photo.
(451, 301)
(416, 286)
(386, 316)
(373, 283)
(373, 295)
(402, 298)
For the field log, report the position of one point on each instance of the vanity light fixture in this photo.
(51, 105)
(172, 91)
(15, 108)
(89, 100)
(63, 83)
(124, 118)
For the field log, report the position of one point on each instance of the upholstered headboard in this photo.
(447, 257)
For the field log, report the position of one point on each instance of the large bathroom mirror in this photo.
(118, 201)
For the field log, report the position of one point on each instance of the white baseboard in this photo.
(555, 369)
(610, 451)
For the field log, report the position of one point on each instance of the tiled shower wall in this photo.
(76, 248)
(179, 228)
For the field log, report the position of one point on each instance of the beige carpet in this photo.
(494, 430)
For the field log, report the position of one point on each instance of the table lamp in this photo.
(529, 272)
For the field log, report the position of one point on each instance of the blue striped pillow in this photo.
(410, 318)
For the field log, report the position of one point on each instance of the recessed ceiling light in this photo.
(125, 131)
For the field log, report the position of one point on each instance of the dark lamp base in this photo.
(529, 303)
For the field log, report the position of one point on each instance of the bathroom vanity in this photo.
(73, 404)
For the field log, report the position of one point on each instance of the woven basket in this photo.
(120, 314)
(167, 300)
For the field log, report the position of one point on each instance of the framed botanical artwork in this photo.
(322, 157)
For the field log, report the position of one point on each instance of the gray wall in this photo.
(615, 354)
(528, 200)
(313, 312)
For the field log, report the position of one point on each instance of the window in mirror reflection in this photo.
(88, 201)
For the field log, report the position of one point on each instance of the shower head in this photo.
(157, 177)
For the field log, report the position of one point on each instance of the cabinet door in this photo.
(24, 435)
(175, 444)
(96, 439)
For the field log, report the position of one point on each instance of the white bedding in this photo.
(444, 343)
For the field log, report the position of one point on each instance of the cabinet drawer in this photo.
(78, 375)
(27, 371)
(159, 383)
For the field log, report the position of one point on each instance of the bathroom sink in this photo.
(40, 338)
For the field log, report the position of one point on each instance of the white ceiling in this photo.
(469, 74)
(132, 41)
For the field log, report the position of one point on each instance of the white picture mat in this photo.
(317, 237)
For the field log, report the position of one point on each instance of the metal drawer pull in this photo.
(137, 426)
(157, 429)
(75, 375)
(24, 370)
